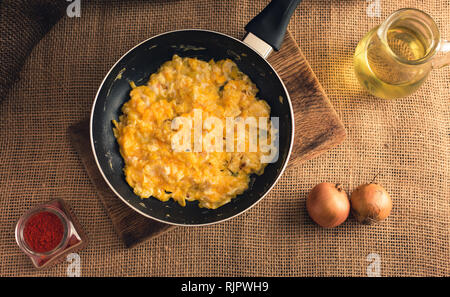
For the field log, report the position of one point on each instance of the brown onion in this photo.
(370, 203)
(328, 205)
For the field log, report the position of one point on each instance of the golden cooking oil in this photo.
(388, 63)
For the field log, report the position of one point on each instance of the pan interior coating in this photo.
(194, 131)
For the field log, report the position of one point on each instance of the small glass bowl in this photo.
(73, 237)
(23, 221)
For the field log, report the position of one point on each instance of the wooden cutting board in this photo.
(317, 129)
(317, 126)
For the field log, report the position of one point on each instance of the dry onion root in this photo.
(370, 203)
(328, 205)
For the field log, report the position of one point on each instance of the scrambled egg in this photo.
(144, 133)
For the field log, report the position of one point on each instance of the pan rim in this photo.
(91, 136)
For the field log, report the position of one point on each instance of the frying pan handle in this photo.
(270, 25)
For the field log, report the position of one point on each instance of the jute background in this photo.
(406, 140)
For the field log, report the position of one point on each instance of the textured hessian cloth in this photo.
(405, 140)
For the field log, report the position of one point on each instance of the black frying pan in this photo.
(266, 32)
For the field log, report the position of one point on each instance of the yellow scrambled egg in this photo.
(144, 133)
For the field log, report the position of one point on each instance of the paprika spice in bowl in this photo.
(43, 231)
(48, 232)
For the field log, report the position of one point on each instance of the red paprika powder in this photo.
(43, 232)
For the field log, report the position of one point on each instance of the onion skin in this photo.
(370, 203)
(328, 205)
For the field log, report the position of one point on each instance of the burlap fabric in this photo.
(405, 140)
